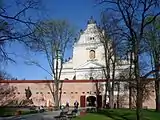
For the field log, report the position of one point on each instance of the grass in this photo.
(119, 114)
(91, 116)
(6, 112)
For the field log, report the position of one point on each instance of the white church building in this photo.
(88, 61)
(83, 77)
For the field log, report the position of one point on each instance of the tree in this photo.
(133, 15)
(5, 76)
(15, 25)
(7, 94)
(52, 38)
(108, 35)
(152, 36)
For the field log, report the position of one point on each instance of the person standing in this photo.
(76, 104)
(67, 106)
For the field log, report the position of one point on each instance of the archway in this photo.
(91, 101)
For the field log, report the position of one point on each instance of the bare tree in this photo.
(7, 94)
(133, 15)
(16, 25)
(153, 42)
(108, 35)
(52, 38)
(6, 76)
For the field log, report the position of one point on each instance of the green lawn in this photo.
(119, 114)
(6, 112)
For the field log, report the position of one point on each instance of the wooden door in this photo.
(83, 101)
(99, 101)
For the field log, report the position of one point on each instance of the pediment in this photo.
(90, 64)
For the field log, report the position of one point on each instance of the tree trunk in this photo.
(113, 77)
(107, 74)
(60, 94)
(56, 95)
(105, 94)
(56, 82)
(157, 96)
(97, 94)
(130, 84)
(157, 82)
(130, 95)
(118, 87)
(138, 82)
(110, 96)
(139, 101)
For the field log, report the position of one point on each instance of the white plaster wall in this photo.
(80, 56)
(100, 55)
(68, 75)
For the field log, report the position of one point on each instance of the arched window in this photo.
(91, 54)
(91, 78)
(74, 77)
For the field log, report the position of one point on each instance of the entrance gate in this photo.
(83, 101)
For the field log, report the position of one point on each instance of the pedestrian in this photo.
(76, 104)
(67, 106)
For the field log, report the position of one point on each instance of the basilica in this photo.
(88, 61)
(83, 76)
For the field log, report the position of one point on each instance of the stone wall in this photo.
(71, 91)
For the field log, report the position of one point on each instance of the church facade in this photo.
(88, 61)
(82, 77)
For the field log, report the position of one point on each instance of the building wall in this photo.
(80, 56)
(71, 91)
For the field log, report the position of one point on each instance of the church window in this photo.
(91, 54)
(64, 92)
(91, 38)
(66, 79)
(48, 92)
(76, 92)
(91, 78)
(74, 77)
(37, 92)
(71, 92)
(83, 92)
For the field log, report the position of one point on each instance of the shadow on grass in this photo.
(126, 114)
(11, 111)
(117, 114)
(6, 112)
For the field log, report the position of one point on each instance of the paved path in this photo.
(38, 116)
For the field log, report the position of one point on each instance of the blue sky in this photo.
(76, 12)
